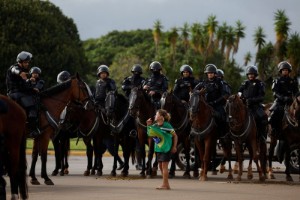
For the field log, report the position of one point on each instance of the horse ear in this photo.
(77, 76)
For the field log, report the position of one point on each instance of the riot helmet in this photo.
(220, 73)
(36, 70)
(102, 68)
(155, 66)
(252, 70)
(63, 76)
(187, 68)
(24, 56)
(137, 69)
(210, 68)
(284, 65)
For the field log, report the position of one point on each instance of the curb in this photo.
(72, 152)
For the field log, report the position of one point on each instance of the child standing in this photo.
(165, 143)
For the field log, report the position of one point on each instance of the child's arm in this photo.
(174, 143)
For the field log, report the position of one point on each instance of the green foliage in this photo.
(40, 28)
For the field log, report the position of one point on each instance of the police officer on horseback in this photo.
(20, 89)
(252, 92)
(104, 84)
(227, 87)
(136, 80)
(284, 89)
(215, 96)
(35, 78)
(63, 76)
(185, 84)
(156, 84)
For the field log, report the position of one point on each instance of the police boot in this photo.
(33, 127)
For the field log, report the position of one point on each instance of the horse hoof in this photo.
(186, 175)
(48, 182)
(196, 174)
(35, 182)
(222, 169)
(113, 173)
(121, 166)
(13, 197)
(289, 178)
(203, 178)
(171, 176)
(93, 172)
(124, 174)
(149, 177)
(214, 172)
(86, 173)
(271, 176)
(238, 179)
(230, 177)
(61, 173)
(54, 173)
(154, 173)
(250, 177)
(262, 179)
(235, 171)
(142, 175)
(99, 173)
(66, 171)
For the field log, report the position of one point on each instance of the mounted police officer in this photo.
(185, 84)
(20, 89)
(284, 89)
(35, 78)
(227, 87)
(156, 84)
(215, 96)
(252, 92)
(136, 80)
(104, 84)
(63, 76)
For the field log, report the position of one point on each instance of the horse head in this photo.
(110, 104)
(81, 92)
(194, 103)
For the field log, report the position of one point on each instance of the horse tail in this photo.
(132, 153)
(22, 176)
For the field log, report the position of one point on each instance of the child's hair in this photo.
(165, 114)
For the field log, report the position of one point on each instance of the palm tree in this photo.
(247, 58)
(239, 33)
(185, 34)
(172, 39)
(293, 52)
(196, 32)
(282, 27)
(157, 35)
(259, 39)
(230, 41)
(221, 37)
(211, 26)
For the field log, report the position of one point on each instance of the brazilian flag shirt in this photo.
(164, 133)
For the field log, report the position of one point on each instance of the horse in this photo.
(204, 131)
(12, 149)
(141, 108)
(121, 125)
(53, 100)
(243, 129)
(288, 138)
(181, 123)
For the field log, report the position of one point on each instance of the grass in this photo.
(79, 147)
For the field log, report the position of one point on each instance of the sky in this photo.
(95, 18)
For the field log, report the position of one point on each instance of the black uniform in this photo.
(132, 81)
(102, 88)
(183, 86)
(159, 84)
(22, 92)
(284, 89)
(216, 97)
(253, 93)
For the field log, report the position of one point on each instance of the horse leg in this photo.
(89, 155)
(115, 154)
(263, 156)
(255, 159)
(227, 145)
(270, 157)
(44, 175)
(187, 148)
(57, 154)
(173, 165)
(127, 149)
(214, 171)
(34, 157)
(197, 162)
(66, 163)
(287, 159)
(150, 157)
(238, 149)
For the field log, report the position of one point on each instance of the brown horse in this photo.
(53, 101)
(12, 150)
(181, 123)
(243, 130)
(289, 138)
(141, 108)
(204, 130)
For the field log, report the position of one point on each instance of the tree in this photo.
(293, 52)
(211, 26)
(221, 37)
(230, 41)
(282, 27)
(185, 36)
(40, 28)
(196, 32)
(157, 35)
(259, 39)
(247, 58)
(239, 33)
(172, 39)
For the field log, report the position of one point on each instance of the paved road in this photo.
(75, 186)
